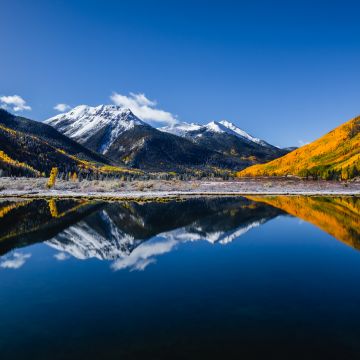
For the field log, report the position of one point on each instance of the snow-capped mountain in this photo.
(82, 241)
(199, 232)
(85, 123)
(225, 127)
(117, 133)
(121, 136)
(132, 236)
(228, 139)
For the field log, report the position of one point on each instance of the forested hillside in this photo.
(50, 135)
(334, 156)
(24, 154)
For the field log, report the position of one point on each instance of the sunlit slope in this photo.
(335, 155)
(23, 154)
(338, 216)
(32, 148)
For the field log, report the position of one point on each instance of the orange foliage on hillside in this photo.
(5, 209)
(335, 155)
(82, 164)
(338, 216)
(8, 160)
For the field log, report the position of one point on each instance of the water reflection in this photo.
(132, 235)
(338, 216)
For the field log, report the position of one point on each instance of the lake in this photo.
(229, 278)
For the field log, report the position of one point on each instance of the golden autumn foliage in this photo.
(4, 210)
(8, 160)
(41, 219)
(53, 208)
(74, 177)
(52, 177)
(336, 155)
(80, 163)
(338, 216)
(117, 169)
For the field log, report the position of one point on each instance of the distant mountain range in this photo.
(228, 139)
(111, 139)
(130, 234)
(193, 130)
(118, 134)
(336, 155)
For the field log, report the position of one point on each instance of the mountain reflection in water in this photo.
(132, 234)
(338, 216)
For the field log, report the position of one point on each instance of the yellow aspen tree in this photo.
(344, 174)
(52, 177)
(53, 208)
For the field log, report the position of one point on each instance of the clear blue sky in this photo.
(284, 71)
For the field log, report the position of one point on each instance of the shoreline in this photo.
(162, 195)
(150, 190)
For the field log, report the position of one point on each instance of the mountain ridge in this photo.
(228, 139)
(120, 135)
(223, 126)
(117, 133)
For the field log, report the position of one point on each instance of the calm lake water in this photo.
(226, 278)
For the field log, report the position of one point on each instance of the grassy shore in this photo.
(30, 187)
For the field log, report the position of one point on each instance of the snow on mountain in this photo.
(241, 133)
(181, 128)
(196, 130)
(82, 241)
(83, 122)
(196, 233)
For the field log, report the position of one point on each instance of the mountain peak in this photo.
(224, 126)
(239, 132)
(82, 110)
(216, 126)
(83, 122)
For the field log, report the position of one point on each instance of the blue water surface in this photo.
(284, 289)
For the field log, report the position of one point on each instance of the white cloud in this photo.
(61, 256)
(144, 108)
(62, 107)
(144, 255)
(14, 102)
(302, 143)
(15, 261)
